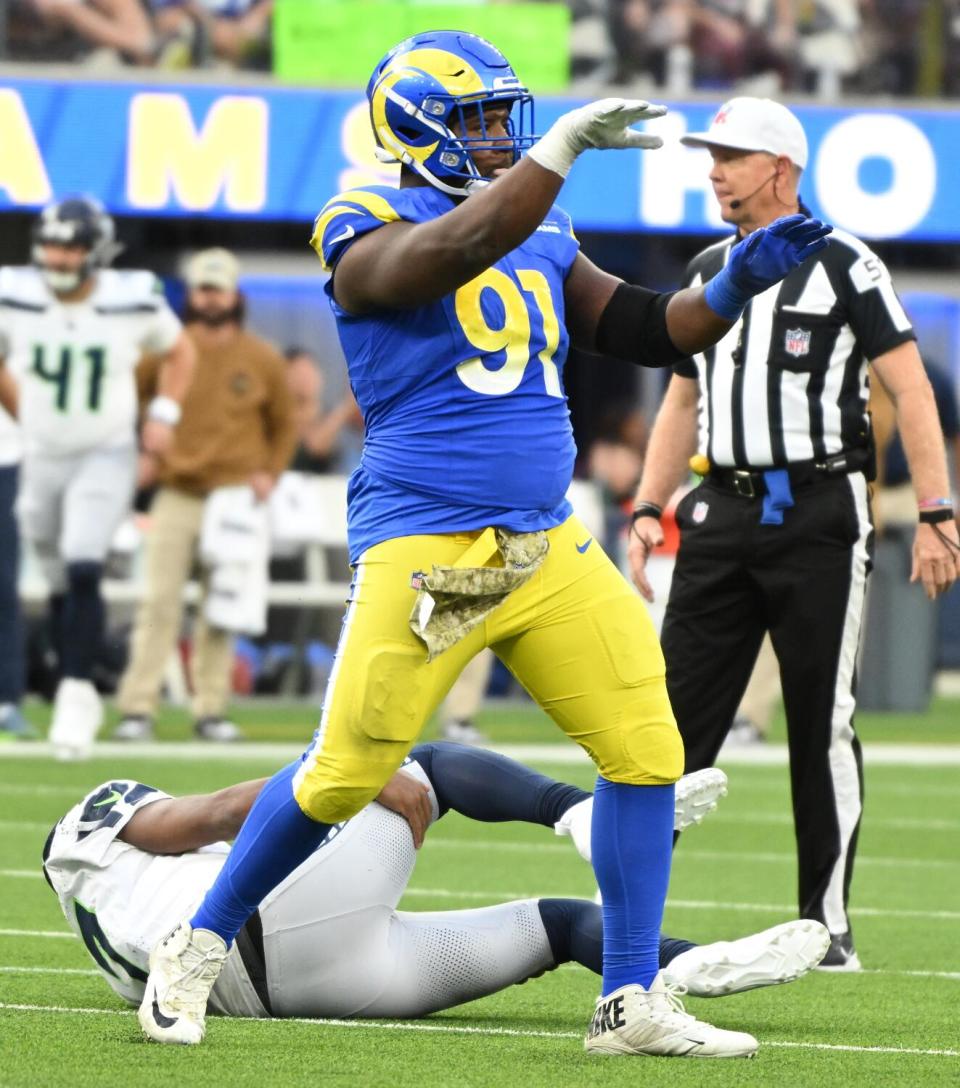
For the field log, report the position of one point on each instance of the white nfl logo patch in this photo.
(700, 512)
(796, 342)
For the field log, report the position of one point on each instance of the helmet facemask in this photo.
(424, 95)
(80, 222)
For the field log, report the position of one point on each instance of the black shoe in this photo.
(217, 729)
(134, 727)
(841, 955)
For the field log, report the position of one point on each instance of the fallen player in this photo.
(129, 860)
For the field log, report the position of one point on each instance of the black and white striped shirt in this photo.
(789, 381)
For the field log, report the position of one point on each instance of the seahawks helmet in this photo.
(421, 94)
(76, 221)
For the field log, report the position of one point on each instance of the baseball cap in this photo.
(213, 268)
(754, 124)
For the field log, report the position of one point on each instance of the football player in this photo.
(72, 331)
(456, 296)
(128, 861)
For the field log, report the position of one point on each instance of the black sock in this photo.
(82, 620)
(671, 947)
(575, 932)
(490, 788)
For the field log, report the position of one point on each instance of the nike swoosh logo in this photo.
(161, 1020)
(108, 800)
(581, 548)
(348, 232)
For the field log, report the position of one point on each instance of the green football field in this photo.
(894, 1024)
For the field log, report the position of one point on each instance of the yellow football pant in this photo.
(576, 636)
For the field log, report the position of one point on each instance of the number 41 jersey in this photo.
(75, 362)
(466, 418)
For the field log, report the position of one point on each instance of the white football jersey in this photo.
(75, 363)
(9, 440)
(121, 901)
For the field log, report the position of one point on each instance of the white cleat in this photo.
(183, 968)
(777, 955)
(576, 822)
(696, 796)
(633, 1020)
(77, 717)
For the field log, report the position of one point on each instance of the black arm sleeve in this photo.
(634, 327)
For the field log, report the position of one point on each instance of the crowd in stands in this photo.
(823, 47)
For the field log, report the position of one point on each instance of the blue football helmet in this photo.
(420, 95)
(76, 221)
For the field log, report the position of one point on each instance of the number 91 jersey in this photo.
(75, 362)
(466, 417)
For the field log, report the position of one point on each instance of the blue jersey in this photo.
(466, 417)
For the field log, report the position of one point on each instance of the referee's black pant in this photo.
(803, 581)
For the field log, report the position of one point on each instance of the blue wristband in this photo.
(722, 296)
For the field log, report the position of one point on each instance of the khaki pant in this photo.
(171, 549)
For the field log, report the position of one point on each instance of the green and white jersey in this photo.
(121, 901)
(75, 362)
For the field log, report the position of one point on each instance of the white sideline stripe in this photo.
(465, 1029)
(49, 971)
(63, 934)
(18, 970)
(503, 894)
(786, 819)
(767, 755)
(683, 904)
(776, 818)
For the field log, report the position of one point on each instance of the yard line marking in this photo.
(683, 904)
(698, 855)
(778, 818)
(39, 791)
(49, 971)
(27, 874)
(768, 755)
(785, 818)
(63, 933)
(953, 976)
(467, 1029)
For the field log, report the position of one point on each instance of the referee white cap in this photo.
(754, 124)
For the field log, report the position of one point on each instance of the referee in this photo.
(778, 535)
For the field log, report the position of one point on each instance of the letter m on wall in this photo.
(172, 160)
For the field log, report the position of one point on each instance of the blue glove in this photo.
(762, 259)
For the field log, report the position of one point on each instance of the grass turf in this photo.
(520, 722)
(734, 875)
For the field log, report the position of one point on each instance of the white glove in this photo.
(602, 124)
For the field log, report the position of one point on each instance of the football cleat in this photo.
(134, 727)
(13, 725)
(77, 715)
(696, 796)
(841, 955)
(633, 1020)
(216, 728)
(777, 955)
(183, 969)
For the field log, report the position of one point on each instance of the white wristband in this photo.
(164, 410)
(555, 150)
